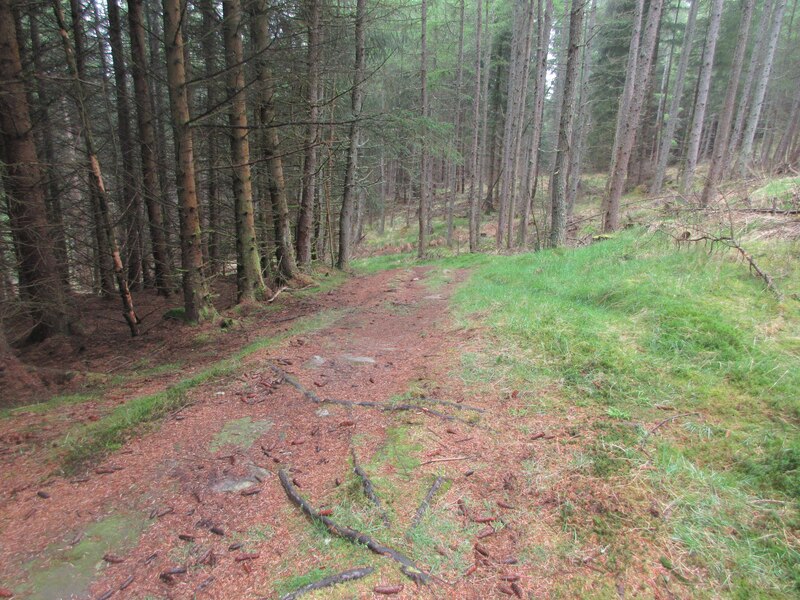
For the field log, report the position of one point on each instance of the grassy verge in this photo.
(93, 440)
(628, 332)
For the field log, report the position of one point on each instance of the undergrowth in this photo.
(632, 331)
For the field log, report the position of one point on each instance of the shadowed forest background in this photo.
(535, 262)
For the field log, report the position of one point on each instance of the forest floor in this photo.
(615, 421)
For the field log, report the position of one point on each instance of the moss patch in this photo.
(67, 571)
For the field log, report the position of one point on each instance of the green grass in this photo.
(781, 190)
(47, 406)
(628, 326)
(110, 432)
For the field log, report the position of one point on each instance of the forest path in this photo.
(200, 495)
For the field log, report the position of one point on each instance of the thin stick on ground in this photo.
(271, 300)
(407, 566)
(426, 502)
(343, 577)
(446, 459)
(310, 395)
(668, 419)
(369, 489)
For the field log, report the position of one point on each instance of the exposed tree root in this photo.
(343, 577)
(407, 566)
(369, 489)
(455, 405)
(310, 395)
(426, 502)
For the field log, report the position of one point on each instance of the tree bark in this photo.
(151, 187)
(346, 215)
(581, 130)
(249, 281)
(96, 178)
(558, 227)
(287, 267)
(424, 167)
(544, 23)
(210, 52)
(755, 63)
(452, 180)
(746, 154)
(631, 120)
(131, 198)
(197, 305)
(701, 99)
(720, 154)
(305, 218)
(39, 278)
(43, 123)
(668, 135)
(474, 194)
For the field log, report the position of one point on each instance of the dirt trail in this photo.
(181, 497)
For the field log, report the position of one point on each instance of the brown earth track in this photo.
(405, 328)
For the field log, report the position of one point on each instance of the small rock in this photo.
(364, 360)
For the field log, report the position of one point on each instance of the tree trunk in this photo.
(558, 227)
(452, 181)
(544, 21)
(424, 167)
(668, 135)
(151, 187)
(580, 132)
(103, 264)
(25, 194)
(631, 120)
(346, 215)
(755, 63)
(131, 198)
(746, 155)
(96, 177)
(210, 48)
(268, 137)
(474, 194)
(726, 118)
(305, 218)
(197, 304)
(249, 281)
(510, 129)
(55, 216)
(701, 100)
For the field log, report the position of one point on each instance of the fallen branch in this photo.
(343, 577)
(271, 300)
(730, 242)
(426, 502)
(407, 566)
(369, 489)
(455, 405)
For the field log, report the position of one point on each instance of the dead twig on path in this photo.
(407, 566)
(426, 502)
(438, 460)
(369, 489)
(667, 420)
(271, 300)
(343, 577)
(310, 395)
